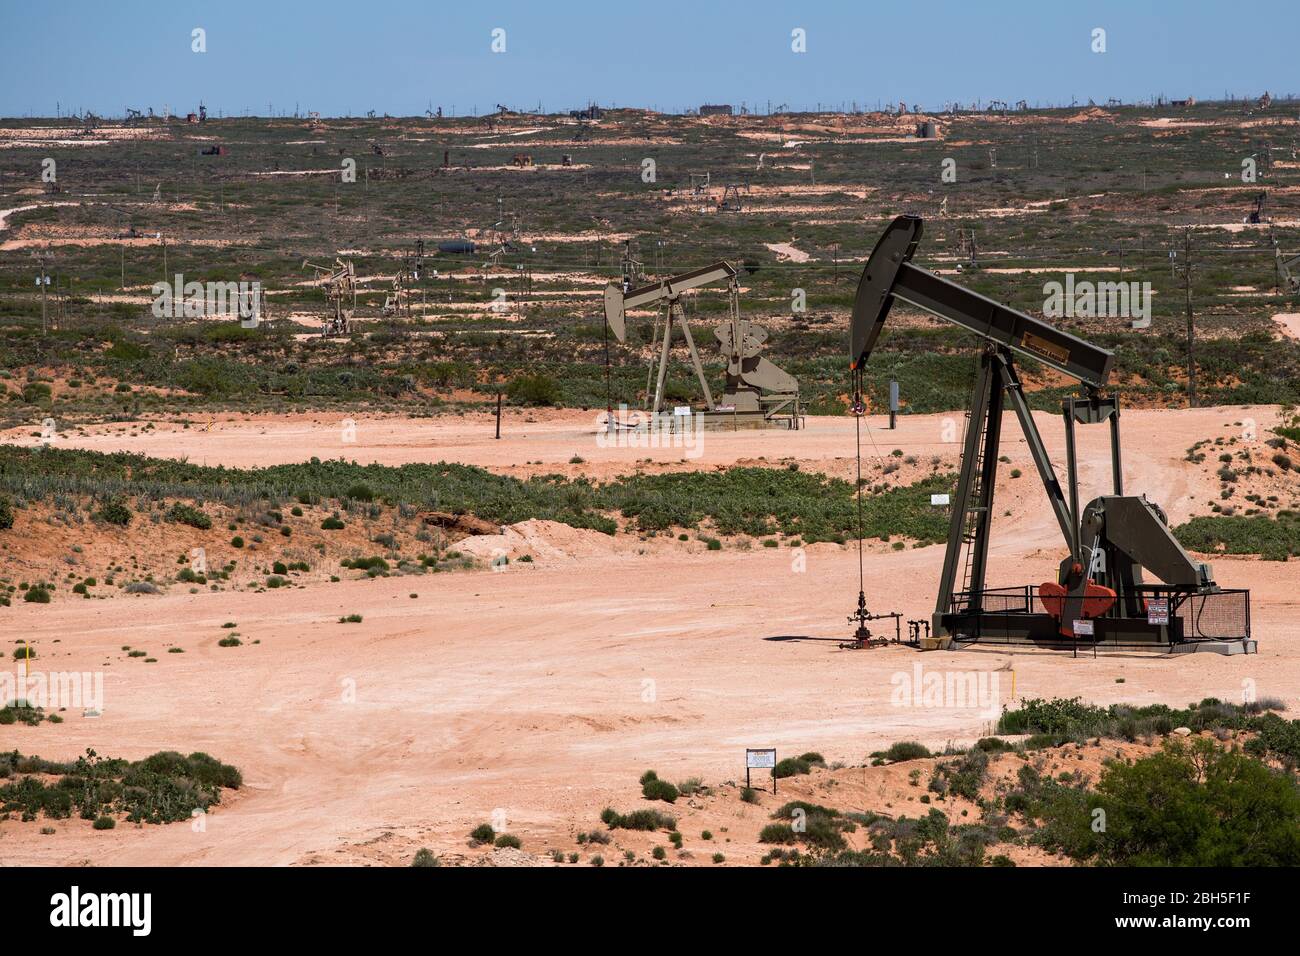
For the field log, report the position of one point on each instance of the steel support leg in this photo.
(1046, 473)
(984, 385)
(695, 360)
(663, 362)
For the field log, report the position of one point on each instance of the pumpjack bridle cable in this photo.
(859, 409)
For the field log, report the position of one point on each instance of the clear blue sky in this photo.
(398, 56)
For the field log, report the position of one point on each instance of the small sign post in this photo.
(893, 404)
(761, 759)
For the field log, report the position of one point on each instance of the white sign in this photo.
(1083, 628)
(1158, 611)
(682, 411)
(939, 499)
(760, 759)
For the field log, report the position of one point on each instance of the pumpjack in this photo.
(340, 285)
(1099, 596)
(1288, 269)
(398, 299)
(1258, 205)
(756, 391)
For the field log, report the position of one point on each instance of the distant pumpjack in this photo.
(756, 389)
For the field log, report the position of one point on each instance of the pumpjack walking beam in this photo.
(890, 275)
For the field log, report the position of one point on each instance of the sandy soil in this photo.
(786, 252)
(6, 213)
(1288, 323)
(543, 690)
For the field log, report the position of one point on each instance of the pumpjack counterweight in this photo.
(1099, 596)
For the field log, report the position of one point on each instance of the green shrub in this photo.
(637, 820)
(1197, 805)
(6, 513)
(1273, 538)
(777, 833)
(483, 833)
(374, 563)
(22, 713)
(792, 766)
(162, 788)
(963, 776)
(116, 512)
(659, 790)
(37, 595)
(905, 750)
(361, 492)
(332, 523)
(508, 840)
(690, 786)
(37, 393)
(425, 857)
(1056, 716)
(535, 389)
(189, 515)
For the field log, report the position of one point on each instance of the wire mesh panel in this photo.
(1222, 616)
(1012, 600)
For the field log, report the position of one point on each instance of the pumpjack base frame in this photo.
(1019, 622)
(1044, 630)
(724, 420)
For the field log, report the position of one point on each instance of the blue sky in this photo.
(401, 56)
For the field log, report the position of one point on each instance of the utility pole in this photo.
(1191, 318)
(43, 281)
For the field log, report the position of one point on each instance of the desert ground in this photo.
(526, 671)
(538, 693)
